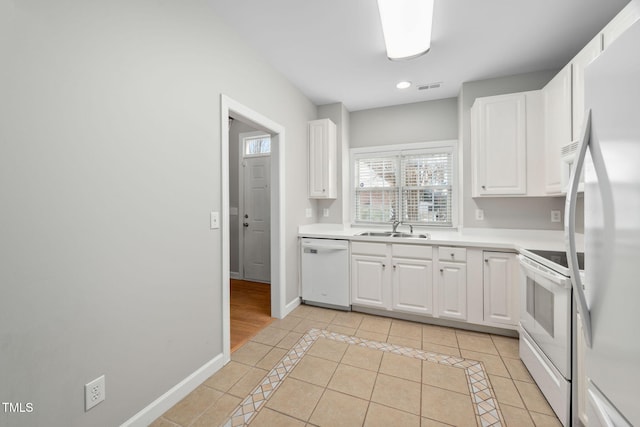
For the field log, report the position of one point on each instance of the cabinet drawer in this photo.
(452, 254)
(366, 248)
(412, 251)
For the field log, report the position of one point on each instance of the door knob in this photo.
(246, 215)
(246, 224)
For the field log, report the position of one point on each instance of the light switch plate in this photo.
(308, 212)
(325, 212)
(479, 215)
(555, 216)
(215, 220)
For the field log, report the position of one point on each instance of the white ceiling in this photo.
(333, 50)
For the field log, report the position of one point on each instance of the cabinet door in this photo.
(452, 290)
(557, 127)
(322, 159)
(499, 145)
(501, 288)
(369, 277)
(590, 52)
(412, 285)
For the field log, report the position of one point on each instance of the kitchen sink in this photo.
(392, 234)
(377, 233)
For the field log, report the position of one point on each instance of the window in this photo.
(413, 185)
(257, 146)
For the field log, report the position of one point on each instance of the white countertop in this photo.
(491, 238)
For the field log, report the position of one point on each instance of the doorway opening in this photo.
(250, 230)
(267, 266)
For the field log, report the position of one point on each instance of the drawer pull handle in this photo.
(442, 270)
(453, 255)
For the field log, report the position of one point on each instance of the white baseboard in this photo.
(291, 306)
(235, 275)
(162, 404)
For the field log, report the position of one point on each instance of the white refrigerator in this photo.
(609, 299)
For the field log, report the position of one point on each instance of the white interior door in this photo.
(256, 218)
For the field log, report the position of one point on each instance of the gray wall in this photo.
(506, 212)
(338, 208)
(400, 124)
(109, 167)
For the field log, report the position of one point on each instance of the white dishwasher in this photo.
(325, 273)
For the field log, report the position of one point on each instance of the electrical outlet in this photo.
(94, 393)
(555, 216)
(325, 212)
(479, 214)
(308, 212)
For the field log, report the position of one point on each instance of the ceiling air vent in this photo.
(430, 86)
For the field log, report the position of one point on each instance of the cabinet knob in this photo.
(453, 255)
(442, 270)
(323, 190)
(484, 187)
(384, 266)
(486, 260)
(394, 267)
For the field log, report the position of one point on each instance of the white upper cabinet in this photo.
(506, 137)
(499, 145)
(590, 52)
(323, 178)
(556, 97)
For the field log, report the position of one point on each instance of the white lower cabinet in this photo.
(392, 277)
(501, 290)
(463, 284)
(412, 285)
(369, 277)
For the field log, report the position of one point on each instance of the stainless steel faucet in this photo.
(396, 223)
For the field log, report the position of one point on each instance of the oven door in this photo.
(545, 312)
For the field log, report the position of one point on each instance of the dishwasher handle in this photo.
(319, 247)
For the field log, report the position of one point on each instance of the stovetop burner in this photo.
(558, 257)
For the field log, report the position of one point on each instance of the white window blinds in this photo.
(427, 188)
(376, 192)
(415, 187)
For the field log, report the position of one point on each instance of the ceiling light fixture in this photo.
(406, 25)
(403, 85)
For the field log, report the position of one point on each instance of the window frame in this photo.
(252, 136)
(398, 151)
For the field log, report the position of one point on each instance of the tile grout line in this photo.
(484, 399)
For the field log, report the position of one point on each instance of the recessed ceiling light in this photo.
(403, 85)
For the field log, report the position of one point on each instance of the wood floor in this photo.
(250, 310)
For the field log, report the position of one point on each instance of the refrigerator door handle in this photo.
(570, 230)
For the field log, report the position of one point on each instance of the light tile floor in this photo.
(337, 383)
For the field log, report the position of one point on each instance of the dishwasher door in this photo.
(325, 273)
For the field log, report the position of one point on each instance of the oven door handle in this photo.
(558, 279)
(570, 231)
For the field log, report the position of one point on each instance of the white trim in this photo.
(291, 306)
(174, 395)
(395, 148)
(278, 212)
